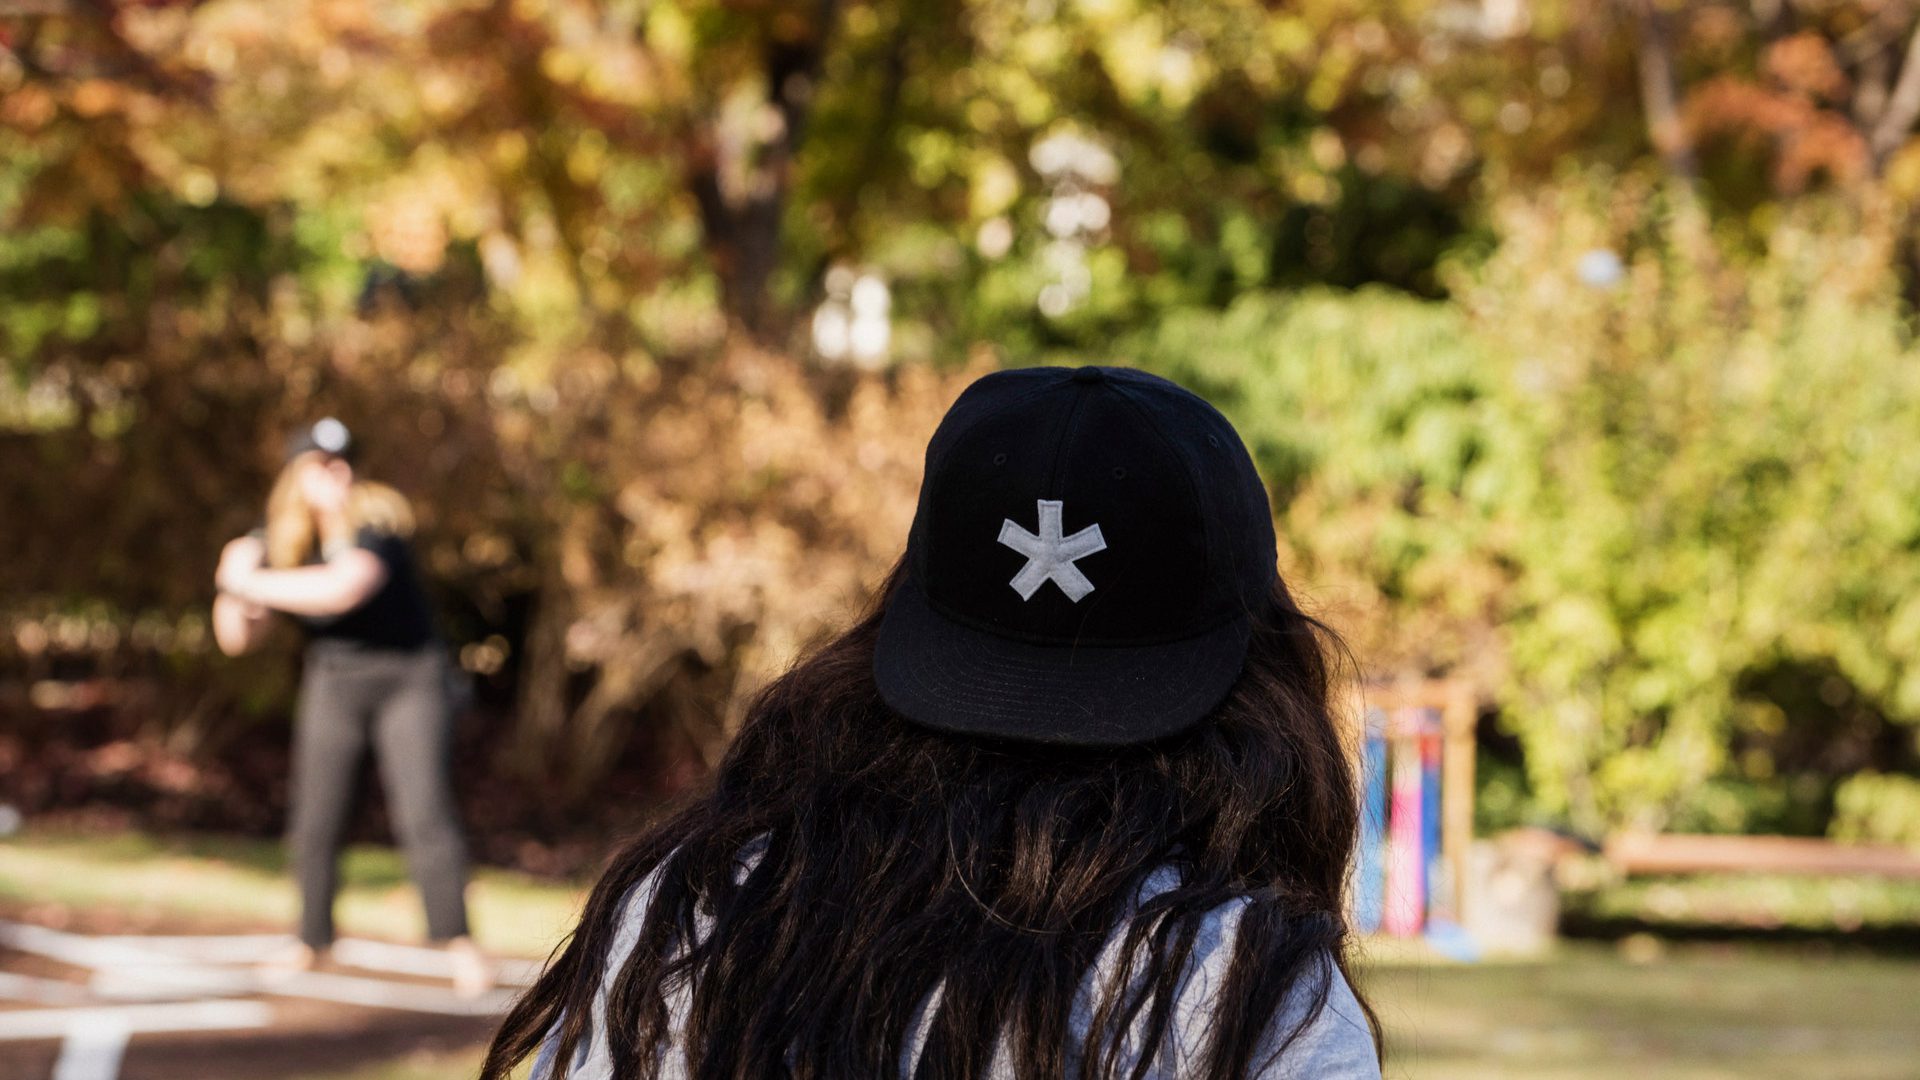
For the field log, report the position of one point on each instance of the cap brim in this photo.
(952, 677)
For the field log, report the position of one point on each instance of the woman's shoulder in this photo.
(379, 539)
(1320, 1029)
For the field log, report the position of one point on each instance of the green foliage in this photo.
(1711, 484)
(1823, 905)
(1873, 806)
(572, 248)
(1612, 502)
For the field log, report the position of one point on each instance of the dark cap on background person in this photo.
(327, 435)
(1087, 552)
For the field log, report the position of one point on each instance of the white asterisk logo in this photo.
(1049, 555)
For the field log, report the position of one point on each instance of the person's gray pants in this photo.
(397, 702)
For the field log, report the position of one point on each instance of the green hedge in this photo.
(1611, 505)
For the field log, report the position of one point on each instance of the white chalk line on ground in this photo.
(352, 952)
(93, 1052)
(172, 982)
(37, 991)
(76, 950)
(151, 954)
(381, 994)
(206, 948)
(147, 983)
(26, 1024)
(427, 963)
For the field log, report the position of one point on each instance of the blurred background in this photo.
(1575, 340)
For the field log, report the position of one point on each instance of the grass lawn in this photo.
(459, 1066)
(243, 884)
(1688, 1012)
(1693, 1013)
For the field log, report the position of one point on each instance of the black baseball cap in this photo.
(1088, 550)
(327, 435)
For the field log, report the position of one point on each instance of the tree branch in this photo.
(1902, 108)
(1659, 89)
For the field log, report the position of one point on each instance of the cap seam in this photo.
(1186, 477)
(1066, 436)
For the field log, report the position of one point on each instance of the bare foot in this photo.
(295, 958)
(472, 973)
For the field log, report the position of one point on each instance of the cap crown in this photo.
(327, 435)
(1089, 506)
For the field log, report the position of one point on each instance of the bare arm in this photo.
(239, 627)
(334, 587)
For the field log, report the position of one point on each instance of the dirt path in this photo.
(155, 1006)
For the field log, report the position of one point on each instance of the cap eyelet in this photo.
(1213, 441)
(999, 459)
(1119, 473)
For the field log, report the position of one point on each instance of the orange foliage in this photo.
(1805, 139)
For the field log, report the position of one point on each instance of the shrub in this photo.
(1606, 502)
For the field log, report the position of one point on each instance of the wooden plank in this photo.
(1680, 853)
(1442, 694)
(1460, 715)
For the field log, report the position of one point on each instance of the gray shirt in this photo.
(1336, 1045)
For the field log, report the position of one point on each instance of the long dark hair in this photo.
(897, 860)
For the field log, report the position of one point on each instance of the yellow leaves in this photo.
(1128, 51)
(408, 232)
(1041, 48)
(28, 108)
(562, 65)
(1902, 175)
(487, 549)
(1327, 149)
(336, 66)
(932, 155)
(214, 54)
(749, 514)
(862, 21)
(1098, 11)
(984, 115)
(94, 98)
(1290, 36)
(669, 33)
(1311, 188)
(993, 186)
(198, 187)
(587, 157)
(1878, 807)
(441, 94)
(1903, 634)
(509, 149)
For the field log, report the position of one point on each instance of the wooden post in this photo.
(1460, 715)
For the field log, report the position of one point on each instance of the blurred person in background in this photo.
(1069, 801)
(334, 556)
